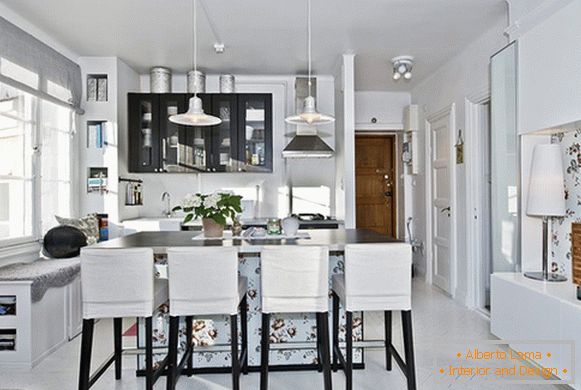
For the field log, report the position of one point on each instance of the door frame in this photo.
(399, 211)
(451, 111)
(474, 198)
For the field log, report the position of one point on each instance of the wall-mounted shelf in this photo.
(97, 88)
(97, 134)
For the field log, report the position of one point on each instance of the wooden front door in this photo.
(375, 183)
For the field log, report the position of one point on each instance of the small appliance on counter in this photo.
(316, 221)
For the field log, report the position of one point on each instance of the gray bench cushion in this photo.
(43, 273)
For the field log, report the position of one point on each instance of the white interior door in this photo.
(441, 200)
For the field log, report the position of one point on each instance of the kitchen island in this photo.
(292, 335)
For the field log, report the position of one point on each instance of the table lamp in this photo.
(546, 198)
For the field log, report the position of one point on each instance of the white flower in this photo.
(191, 201)
(211, 201)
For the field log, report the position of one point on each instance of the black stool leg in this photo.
(86, 350)
(388, 340)
(264, 348)
(324, 345)
(244, 333)
(148, 353)
(174, 325)
(234, 352)
(118, 341)
(406, 317)
(349, 350)
(189, 343)
(319, 345)
(335, 330)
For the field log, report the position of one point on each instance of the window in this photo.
(35, 165)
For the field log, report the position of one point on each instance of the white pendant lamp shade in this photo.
(195, 115)
(546, 196)
(310, 116)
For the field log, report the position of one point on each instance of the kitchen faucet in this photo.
(167, 198)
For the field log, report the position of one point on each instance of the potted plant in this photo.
(213, 209)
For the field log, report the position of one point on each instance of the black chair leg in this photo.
(174, 325)
(388, 356)
(118, 341)
(335, 331)
(189, 343)
(406, 317)
(244, 333)
(349, 350)
(86, 350)
(264, 349)
(319, 340)
(324, 347)
(234, 352)
(148, 353)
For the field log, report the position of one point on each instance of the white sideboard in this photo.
(526, 309)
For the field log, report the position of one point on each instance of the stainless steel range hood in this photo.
(307, 146)
(306, 143)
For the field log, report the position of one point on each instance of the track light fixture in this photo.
(402, 67)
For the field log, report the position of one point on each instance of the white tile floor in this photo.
(437, 320)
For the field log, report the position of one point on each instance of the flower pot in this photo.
(212, 229)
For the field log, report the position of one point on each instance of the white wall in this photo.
(549, 71)
(273, 186)
(386, 107)
(547, 99)
(464, 75)
(345, 156)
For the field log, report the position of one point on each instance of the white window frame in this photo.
(18, 245)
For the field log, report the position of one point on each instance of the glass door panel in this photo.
(194, 149)
(144, 133)
(224, 137)
(171, 104)
(256, 132)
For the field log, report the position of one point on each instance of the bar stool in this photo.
(116, 283)
(377, 278)
(295, 280)
(205, 281)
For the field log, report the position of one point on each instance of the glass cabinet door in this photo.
(224, 136)
(144, 133)
(171, 104)
(194, 150)
(255, 132)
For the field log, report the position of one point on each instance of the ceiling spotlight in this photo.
(402, 66)
(219, 48)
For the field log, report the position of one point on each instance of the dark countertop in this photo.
(335, 239)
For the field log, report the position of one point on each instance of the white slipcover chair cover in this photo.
(204, 281)
(117, 282)
(295, 279)
(377, 277)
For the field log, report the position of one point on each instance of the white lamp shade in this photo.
(546, 186)
(195, 115)
(309, 116)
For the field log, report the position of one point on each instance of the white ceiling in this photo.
(269, 36)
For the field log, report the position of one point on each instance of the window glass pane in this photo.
(55, 163)
(15, 209)
(18, 73)
(58, 91)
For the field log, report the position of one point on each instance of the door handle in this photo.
(388, 194)
(447, 210)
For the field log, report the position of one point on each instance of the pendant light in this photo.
(309, 116)
(195, 115)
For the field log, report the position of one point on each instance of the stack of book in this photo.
(96, 135)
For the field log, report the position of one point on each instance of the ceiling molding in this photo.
(539, 14)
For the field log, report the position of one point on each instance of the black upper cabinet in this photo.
(241, 143)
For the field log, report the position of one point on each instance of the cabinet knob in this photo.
(239, 169)
(213, 169)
